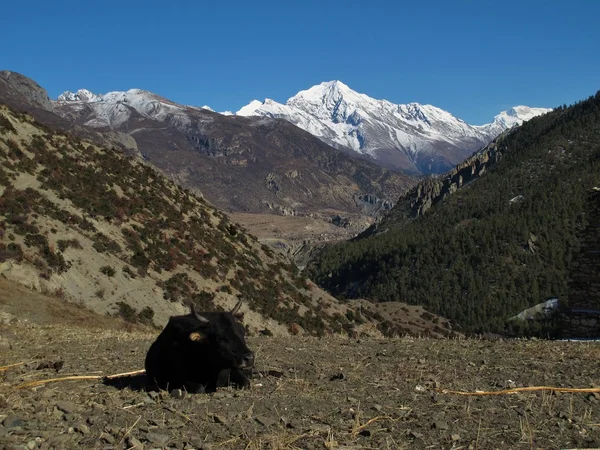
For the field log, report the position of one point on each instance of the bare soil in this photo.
(307, 393)
(289, 233)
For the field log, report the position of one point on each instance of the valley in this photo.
(297, 236)
(304, 203)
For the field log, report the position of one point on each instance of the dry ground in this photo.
(330, 393)
(285, 232)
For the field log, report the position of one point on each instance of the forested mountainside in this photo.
(93, 225)
(497, 245)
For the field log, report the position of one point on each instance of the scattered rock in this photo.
(440, 425)
(82, 428)
(66, 407)
(133, 443)
(265, 421)
(593, 396)
(146, 399)
(415, 435)
(320, 428)
(12, 421)
(157, 438)
(109, 439)
(48, 393)
(177, 393)
(286, 422)
(218, 418)
(198, 443)
(54, 365)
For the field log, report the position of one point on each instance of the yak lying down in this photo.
(200, 351)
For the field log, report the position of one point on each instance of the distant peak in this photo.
(519, 114)
(334, 84)
(324, 88)
(250, 108)
(82, 95)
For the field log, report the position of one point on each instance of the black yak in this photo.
(195, 351)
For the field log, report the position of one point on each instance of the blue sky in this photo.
(473, 58)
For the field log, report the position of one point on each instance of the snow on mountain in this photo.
(397, 135)
(81, 95)
(115, 108)
(411, 137)
(515, 116)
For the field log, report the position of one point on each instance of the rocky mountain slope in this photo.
(412, 137)
(106, 230)
(240, 164)
(23, 94)
(93, 225)
(494, 236)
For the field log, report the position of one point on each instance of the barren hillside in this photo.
(94, 226)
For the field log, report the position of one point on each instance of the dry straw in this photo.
(521, 389)
(10, 366)
(79, 377)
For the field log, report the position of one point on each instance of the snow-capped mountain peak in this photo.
(115, 108)
(250, 108)
(518, 114)
(386, 131)
(82, 95)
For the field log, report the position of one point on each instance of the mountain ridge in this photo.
(412, 137)
(243, 164)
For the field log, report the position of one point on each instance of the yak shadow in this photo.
(139, 382)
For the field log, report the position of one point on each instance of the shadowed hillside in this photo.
(500, 243)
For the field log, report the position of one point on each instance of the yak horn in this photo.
(200, 318)
(237, 307)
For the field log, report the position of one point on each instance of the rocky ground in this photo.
(331, 393)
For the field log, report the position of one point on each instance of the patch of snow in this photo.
(82, 95)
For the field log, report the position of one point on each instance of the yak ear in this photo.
(196, 336)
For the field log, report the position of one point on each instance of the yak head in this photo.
(221, 337)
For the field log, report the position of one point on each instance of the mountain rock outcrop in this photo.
(434, 189)
(15, 87)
